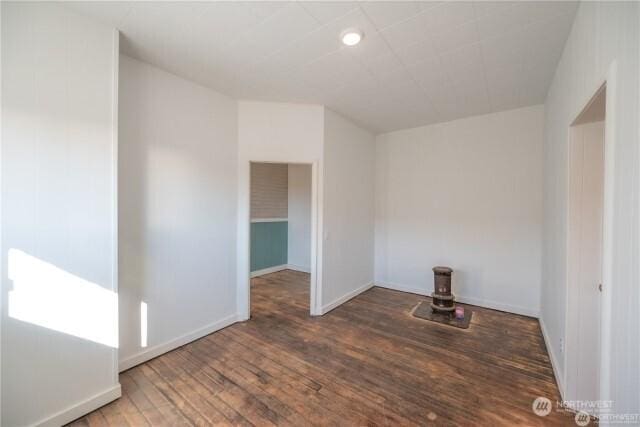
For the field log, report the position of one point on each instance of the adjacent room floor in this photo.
(368, 362)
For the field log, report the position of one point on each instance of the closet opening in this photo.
(586, 254)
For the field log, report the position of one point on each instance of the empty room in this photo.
(346, 213)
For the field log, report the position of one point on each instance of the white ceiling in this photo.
(419, 62)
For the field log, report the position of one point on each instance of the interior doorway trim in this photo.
(244, 238)
(609, 81)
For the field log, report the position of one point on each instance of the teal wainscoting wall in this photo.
(268, 244)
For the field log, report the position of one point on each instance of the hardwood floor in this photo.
(368, 362)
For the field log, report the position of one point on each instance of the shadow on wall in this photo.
(47, 296)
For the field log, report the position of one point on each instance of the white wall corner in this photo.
(552, 357)
(344, 298)
(484, 303)
(269, 270)
(300, 268)
(402, 288)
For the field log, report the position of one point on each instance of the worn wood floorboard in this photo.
(368, 362)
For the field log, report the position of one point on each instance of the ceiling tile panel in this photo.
(335, 69)
(456, 37)
(464, 64)
(419, 62)
(354, 94)
(302, 51)
(474, 97)
(408, 32)
(375, 46)
(534, 86)
(354, 19)
(386, 13)
(444, 99)
(384, 65)
(257, 11)
(445, 16)
(327, 11)
(429, 73)
(540, 40)
(415, 52)
(503, 21)
(395, 77)
(538, 11)
(484, 8)
(504, 90)
(424, 5)
(502, 51)
(275, 32)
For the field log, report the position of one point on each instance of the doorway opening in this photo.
(586, 253)
(280, 237)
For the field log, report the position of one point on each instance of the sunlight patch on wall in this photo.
(143, 324)
(48, 296)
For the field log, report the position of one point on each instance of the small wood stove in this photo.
(442, 307)
(442, 297)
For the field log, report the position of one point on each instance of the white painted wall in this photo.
(603, 32)
(299, 226)
(177, 208)
(59, 241)
(281, 133)
(348, 210)
(466, 194)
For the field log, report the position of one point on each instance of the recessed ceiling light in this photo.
(351, 37)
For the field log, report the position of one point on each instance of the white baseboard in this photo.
(465, 300)
(277, 268)
(157, 350)
(552, 357)
(82, 408)
(515, 309)
(269, 270)
(403, 288)
(339, 301)
(298, 268)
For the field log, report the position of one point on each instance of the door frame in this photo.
(244, 237)
(608, 81)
